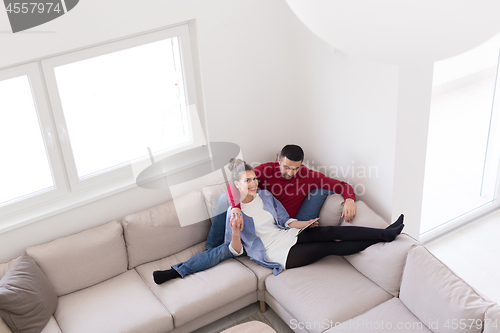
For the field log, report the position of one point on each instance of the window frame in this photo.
(123, 170)
(32, 72)
(68, 194)
(488, 172)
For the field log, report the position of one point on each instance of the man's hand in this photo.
(349, 210)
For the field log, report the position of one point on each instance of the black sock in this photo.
(164, 276)
(391, 233)
(398, 222)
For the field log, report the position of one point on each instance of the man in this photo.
(292, 183)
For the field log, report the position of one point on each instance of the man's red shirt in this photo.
(292, 192)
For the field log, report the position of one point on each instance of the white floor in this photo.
(473, 253)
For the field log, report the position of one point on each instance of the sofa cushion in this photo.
(52, 326)
(373, 262)
(81, 260)
(492, 319)
(157, 232)
(27, 299)
(327, 290)
(390, 316)
(202, 292)
(121, 304)
(211, 196)
(331, 211)
(433, 293)
(260, 271)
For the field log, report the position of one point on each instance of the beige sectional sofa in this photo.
(102, 278)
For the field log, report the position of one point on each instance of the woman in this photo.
(273, 240)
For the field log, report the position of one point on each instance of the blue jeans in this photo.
(218, 228)
(311, 206)
(217, 251)
(204, 260)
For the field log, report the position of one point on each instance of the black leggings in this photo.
(316, 243)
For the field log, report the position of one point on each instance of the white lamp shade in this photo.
(401, 31)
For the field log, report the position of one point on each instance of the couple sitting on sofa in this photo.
(265, 230)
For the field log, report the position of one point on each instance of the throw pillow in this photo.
(27, 299)
(312, 204)
(211, 194)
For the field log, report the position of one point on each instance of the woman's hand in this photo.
(236, 222)
(303, 224)
(236, 214)
(314, 225)
(349, 210)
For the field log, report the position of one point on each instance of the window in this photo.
(109, 105)
(463, 146)
(23, 143)
(114, 101)
(31, 169)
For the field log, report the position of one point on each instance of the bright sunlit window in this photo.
(463, 149)
(118, 104)
(25, 165)
(73, 125)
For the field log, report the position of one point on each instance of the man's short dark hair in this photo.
(292, 152)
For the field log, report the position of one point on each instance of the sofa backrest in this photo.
(492, 319)
(439, 298)
(4, 267)
(160, 231)
(84, 259)
(211, 194)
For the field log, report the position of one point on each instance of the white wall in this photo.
(246, 54)
(267, 81)
(351, 107)
(366, 123)
(414, 101)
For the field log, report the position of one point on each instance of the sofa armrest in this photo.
(383, 263)
(435, 295)
(492, 319)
